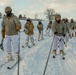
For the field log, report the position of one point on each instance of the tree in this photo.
(20, 16)
(49, 14)
(24, 17)
(36, 16)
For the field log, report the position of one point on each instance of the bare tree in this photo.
(36, 16)
(20, 16)
(49, 14)
(24, 17)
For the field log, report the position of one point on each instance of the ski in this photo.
(12, 66)
(54, 56)
(5, 63)
(27, 46)
(62, 57)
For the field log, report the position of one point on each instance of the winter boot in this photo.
(16, 56)
(9, 57)
(54, 53)
(33, 44)
(38, 40)
(61, 52)
(65, 44)
(26, 44)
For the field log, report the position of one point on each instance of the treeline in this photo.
(48, 13)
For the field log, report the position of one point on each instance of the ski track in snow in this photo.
(34, 59)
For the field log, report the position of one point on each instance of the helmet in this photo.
(57, 16)
(66, 19)
(8, 8)
(29, 20)
(39, 22)
(72, 20)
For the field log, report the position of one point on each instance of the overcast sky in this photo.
(67, 8)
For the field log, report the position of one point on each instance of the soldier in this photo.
(29, 31)
(49, 31)
(40, 29)
(59, 30)
(10, 28)
(75, 29)
(72, 24)
(67, 31)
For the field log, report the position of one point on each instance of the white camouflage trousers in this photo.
(29, 37)
(49, 32)
(74, 32)
(58, 41)
(66, 37)
(71, 32)
(11, 43)
(40, 36)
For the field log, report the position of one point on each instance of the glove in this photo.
(55, 32)
(3, 34)
(72, 28)
(64, 35)
(18, 28)
(24, 30)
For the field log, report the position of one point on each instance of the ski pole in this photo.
(18, 54)
(48, 58)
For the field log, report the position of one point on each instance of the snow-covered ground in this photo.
(34, 59)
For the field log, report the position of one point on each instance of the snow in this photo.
(33, 59)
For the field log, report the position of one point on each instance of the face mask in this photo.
(58, 21)
(28, 22)
(66, 20)
(8, 14)
(50, 23)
